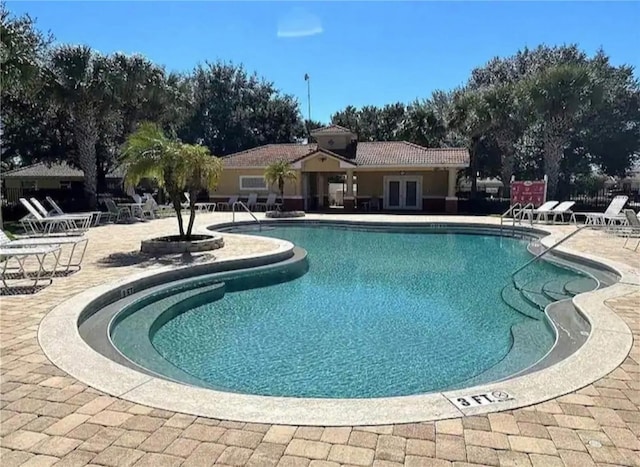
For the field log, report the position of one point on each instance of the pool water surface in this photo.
(377, 314)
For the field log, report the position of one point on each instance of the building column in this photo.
(349, 200)
(451, 201)
(320, 190)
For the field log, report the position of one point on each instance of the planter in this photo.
(284, 214)
(173, 245)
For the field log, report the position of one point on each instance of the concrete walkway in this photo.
(48, 418)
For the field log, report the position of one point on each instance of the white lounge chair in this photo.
(77, 243)
(632, 230)
(97, 215)
(610, 216)
(224, 206)
(559, 211)
(252, 201)
(534, 214)
(120, 212)
(270, 203)
(38, 224)
(21, 255)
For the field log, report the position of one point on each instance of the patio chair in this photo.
(633, 229)
(97, 215)
(610, 216)
(534, 214)
(39, 224)
(559, 211)
(41, 209)
(21, 255)
(161, 210)
(252, 201)
(79, 242)
(270, 203)
(224, 206)
(119, 212)
(146, 210)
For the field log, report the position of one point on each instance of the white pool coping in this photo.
(606, 348)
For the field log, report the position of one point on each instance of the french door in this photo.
(402, 192)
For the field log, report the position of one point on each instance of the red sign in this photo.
(525, 192)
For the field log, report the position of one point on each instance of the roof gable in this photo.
(331, 130)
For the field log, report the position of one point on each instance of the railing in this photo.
(516, 211)
(540, 255)
(244, 206)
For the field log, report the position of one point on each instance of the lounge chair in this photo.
(252, 201)
(119, 212)
(161, 210)
(79, 242)
(224, 206)
(633, 228)
(559, 211)
(39, 224)
(534, 214)
(40, 253)
(146, 210)
(270, 203)
(97, 215)
(610, 216)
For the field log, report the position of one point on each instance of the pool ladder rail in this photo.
(240, 204)
(516, 212)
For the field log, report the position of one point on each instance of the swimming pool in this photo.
(378, 313)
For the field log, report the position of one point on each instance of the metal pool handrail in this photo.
(515, 211)
(540, 255)
(244, 206)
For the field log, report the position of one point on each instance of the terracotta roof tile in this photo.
(379, 153)
(265, 155)
(406, 154)
(331, 129)
(60, 169)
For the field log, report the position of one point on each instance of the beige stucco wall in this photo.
(229, 184)
(339, 141)
(316, 164)
(44, 183)
(434, 183)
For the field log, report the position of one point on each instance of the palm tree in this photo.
(79, 82)
(557, 97)
(278, 173)
(175, 166)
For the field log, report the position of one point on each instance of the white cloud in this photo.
(299, 23)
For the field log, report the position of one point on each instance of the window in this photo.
(253, 183)
(65, 185)
(28, 184)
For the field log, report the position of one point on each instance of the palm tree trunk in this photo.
(86, 133)
(506, 172)
(177, 206)
(192, 212)
(553, 151)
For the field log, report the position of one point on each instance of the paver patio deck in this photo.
(49, 418)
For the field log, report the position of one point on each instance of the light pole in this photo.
(307, 78)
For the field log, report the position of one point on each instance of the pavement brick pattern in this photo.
(49, 418)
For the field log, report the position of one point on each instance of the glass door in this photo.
(403, 192)
(393, 194)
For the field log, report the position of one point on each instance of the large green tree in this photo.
(557, 97)
(233, 110)
(78, 80)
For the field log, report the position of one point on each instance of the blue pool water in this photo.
(377, 314)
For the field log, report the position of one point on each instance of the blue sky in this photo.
(356, 53)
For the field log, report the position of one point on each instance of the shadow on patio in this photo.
(142, 260)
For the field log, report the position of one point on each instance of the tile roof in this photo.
(333, 129)
(406, 154)
(378, 153)
(265, 155)
(58, 169)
